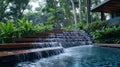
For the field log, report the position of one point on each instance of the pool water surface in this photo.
(80, 56)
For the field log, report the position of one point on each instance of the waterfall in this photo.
(46, 46)
(71, 38)
(64, 39)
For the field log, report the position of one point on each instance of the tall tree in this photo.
(17, 8)
(88, 11)
(3, 6)
(80, 10)
(65, 5)
(60, 12)
(74, 12)
(53, 11)
(12, 8)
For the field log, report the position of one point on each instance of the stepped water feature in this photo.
(42, 45)
(65, 38)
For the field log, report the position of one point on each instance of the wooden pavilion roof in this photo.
(108, 6)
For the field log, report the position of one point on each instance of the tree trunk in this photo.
(80, 9)
(74, 12)
(88, 11)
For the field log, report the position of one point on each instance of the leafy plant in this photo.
(25, 27)
(69, 28)
(107, 35)
(90, 27)
(7, 30)
(102, 32)
(95, 26)
(43, 27)
(82, 25)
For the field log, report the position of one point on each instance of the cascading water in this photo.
(54, 43)
(71, 38)
(64, 39)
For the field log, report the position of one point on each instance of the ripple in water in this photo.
(81, 56)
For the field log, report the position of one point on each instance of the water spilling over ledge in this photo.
(42, 45)
(19, 46)
(79, 56)
(66, 38)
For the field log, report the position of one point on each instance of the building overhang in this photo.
(108, 6)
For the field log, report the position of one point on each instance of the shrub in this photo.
(82, 25)
(43, 27)
(95, 26)
(90, 27)
(21, 29)
(7, 31)
(69, 28)
(102, 32)
(107, 35)
(25, 27)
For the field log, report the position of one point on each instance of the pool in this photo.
(80, 56)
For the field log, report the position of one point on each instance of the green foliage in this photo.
(48, 27)
(107, 35)
(69, 28)
(7, 27)
(36, 17)
(95, 26)
(59, 14)
(10, 9)
(90, 27)
(7, 31)
(81, 25)
(43, 27)
(23, 28)
(102, 32)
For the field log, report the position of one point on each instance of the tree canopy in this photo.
(58, 12)
(12, 8)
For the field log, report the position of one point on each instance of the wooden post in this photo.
(88, 11)
(102, 16)
(112, 15)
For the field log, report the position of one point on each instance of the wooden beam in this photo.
(108, 7)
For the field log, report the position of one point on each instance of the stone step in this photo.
(45, 34)
(29, 40)
(16, 55)
(54, 36)
(19, 46)
(59, 35)
(17, 52)
(71, 44)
